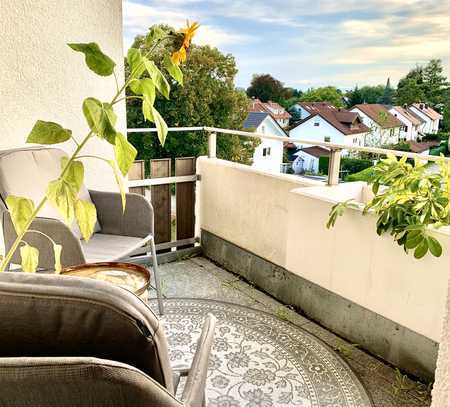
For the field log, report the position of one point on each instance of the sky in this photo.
(309, 43)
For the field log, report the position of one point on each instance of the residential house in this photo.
(278, 112)
(268, 156)
(322, 121)
(429, 115)
(384, 128)
(307, 159)
(412, 123)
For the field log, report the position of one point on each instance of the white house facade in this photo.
(307, 159)
(384, 128)
(412, 124)
(268, 156)
(429, 115)
(323, 122)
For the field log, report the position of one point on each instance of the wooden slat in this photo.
(137, 172)
(160, 197)
(161, 181)
(185, 199)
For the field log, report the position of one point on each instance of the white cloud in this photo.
(137, 18)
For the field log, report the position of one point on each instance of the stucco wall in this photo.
(274, 219)
(441, 388)
(42, 78)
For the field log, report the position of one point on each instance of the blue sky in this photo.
(308, 43)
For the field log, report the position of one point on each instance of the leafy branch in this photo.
(409, 203)
(62, 193)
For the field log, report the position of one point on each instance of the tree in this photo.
(328, 94)
(354, 97)
(408, 92)
(424, 84)
(388, 94)
(208, 98)
(265, 87)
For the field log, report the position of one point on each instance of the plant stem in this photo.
(7, 259)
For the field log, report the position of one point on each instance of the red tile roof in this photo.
(428, 111)
(408, 114)
(274, 109)
(346, 122)
(380, 115)
(316, 151)
(422, 146)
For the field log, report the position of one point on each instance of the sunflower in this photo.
(188, 33)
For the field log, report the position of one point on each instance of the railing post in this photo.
(212, 145)
(334, 166)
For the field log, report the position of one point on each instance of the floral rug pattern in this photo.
(258, 360)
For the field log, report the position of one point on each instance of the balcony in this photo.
(319, 317)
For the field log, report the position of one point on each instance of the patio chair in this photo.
(117, 236)
(69, 341)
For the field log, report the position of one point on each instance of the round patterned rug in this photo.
(258, 360)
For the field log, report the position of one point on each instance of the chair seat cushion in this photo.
(103, 247)
(27, 172)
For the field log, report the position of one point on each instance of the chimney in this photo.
(426, 106)
(421, 106)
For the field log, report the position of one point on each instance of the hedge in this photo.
(363, 175)
(348, 165)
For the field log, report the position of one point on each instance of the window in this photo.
(316, 124)
(355, 141)
(266, 151)
(263, 129)
(327, 139)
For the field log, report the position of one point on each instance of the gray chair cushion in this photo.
(27, 171)
(102, 247)
(73, 382)
(53, 315)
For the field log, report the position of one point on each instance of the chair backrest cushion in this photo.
(69, 382)
(27, 171)
(54, 315)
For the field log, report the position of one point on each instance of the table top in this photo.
(133, 277)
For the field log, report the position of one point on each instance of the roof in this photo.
(413, 118)
(428, 111)
(422, 146)
(254, 119)
(346, 122)
(414, 114)
(274, 109)
(315, 151)
(379, 114)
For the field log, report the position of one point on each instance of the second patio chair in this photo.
(27, 171)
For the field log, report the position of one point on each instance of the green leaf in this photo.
(434, 246)
(96, 60)
(62, 195)
(158, 78)
(421, 249)
(147, 110)
(48, 133)
(100, 118)
(57, 249)
(125, 153)
(119, 182)
(413, 239)
(74, 174)
(134, 59)
(144, 87)
(155, 34)
(173, 69)
(30, 258)
(21, 210)
(161, 126)
(86, 215)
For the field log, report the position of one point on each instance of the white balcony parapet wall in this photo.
(441, 387)
(282, 219)
(42, 78)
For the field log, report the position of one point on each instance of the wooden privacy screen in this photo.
(137, 171)
(185, 199)
(161, 199)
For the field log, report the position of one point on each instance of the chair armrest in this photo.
(72, 253)
(136, 221)
(194, 390)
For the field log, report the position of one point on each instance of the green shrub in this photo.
(400, 146)
(348, 165)
(431, 137)
(364, 175)
(323, 164)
